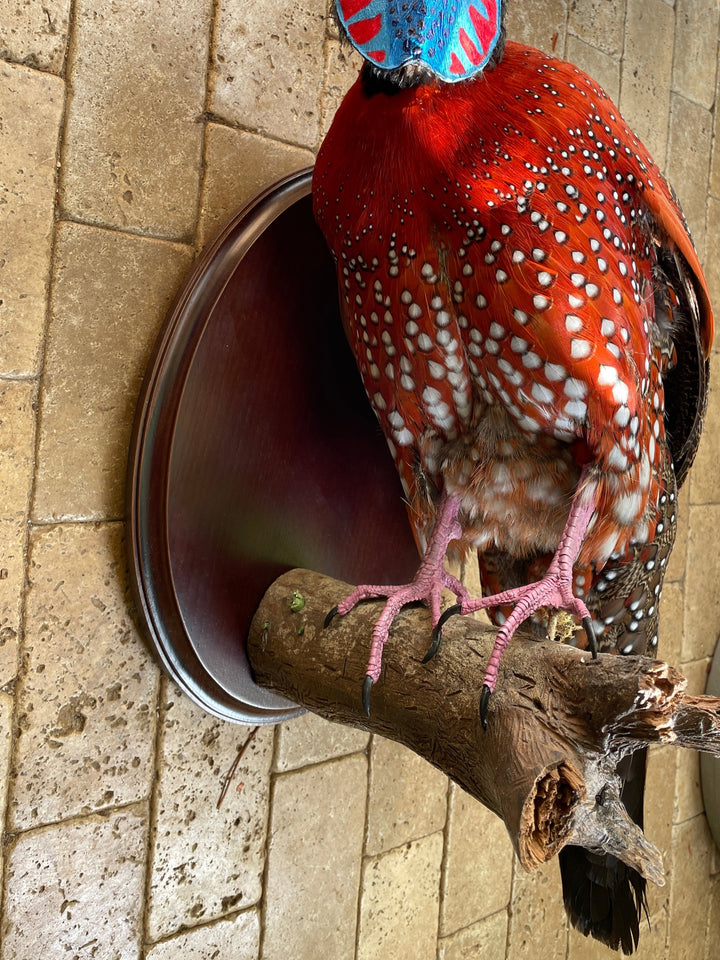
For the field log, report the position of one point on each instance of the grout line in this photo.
(65, 217)
(37, 405)
(100, 814)
(261, 904)
(158, 745)
(364, 857)
(442, 880)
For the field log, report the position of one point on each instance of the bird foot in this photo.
(427, 587)
(553, 591)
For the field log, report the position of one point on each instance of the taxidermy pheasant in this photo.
(532, 327)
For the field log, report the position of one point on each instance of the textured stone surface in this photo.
(659, 810)
(688, 162)
(602, 67)
(689, 902)
(6, 708)
(478, 864)
(238, 165)
(86, 701)
(688, 793)
(538, 23)
(235, 939)
(30, 117)
(206, 861)
(407, 798)
(35, 32)
(76, 890)
(111, 294)
(537, 918)
(313, 873)
(600, 23)
(342, 65)
(645, 90)
(485, 939)
(702, 597)
(696, 35)
(672, 606)
(704, 479)
(712, 236)
(398, 905)
(132, 158)
(267, 67)
(17, 448)
(309, 739)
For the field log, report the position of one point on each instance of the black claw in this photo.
(330, 617)
(367, 687)
(435, 644)
(484, 704)
(590, 633)
(437, 631)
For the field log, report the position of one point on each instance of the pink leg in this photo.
(428, 584)
(554, 590)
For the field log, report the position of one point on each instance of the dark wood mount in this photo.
(559, 721)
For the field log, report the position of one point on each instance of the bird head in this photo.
(449, 40)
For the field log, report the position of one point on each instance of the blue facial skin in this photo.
(454, 39)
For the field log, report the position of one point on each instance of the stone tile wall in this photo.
(128, 133)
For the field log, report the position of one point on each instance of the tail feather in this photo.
(603, 897)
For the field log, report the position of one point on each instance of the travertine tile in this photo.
(712, 943)
(6, 708)
(478, 864)
(715, 165)
(688, 793)
(17, 448)
(310, 739)
(653, 937)
(407, 798)
(314, 855)
(13, 535)
(702, 596)
(86, 700)
(399, 902)
(485, 939)
(342, 65)
(704, 477)
(111, 293)
(678, 558)
(206, 862)
(600, 23)
(659, 811)
(235, 939)
(602, 67)
(587, 948)
(238, 165)
(76, 890)
(537, 917)
(712, 238)
(268, 66)
(35, 33)
(538, 23)
(645, 86)
(32, 105)
(688, 162)
(692, 843)
(672, 612)
(694, 63)
(132, 145)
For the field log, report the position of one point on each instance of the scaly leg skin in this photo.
(554, 590)
(427, 586)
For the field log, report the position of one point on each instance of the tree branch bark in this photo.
(558, 723)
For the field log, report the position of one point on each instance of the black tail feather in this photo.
(604, 898)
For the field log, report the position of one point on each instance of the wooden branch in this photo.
(558, 722)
